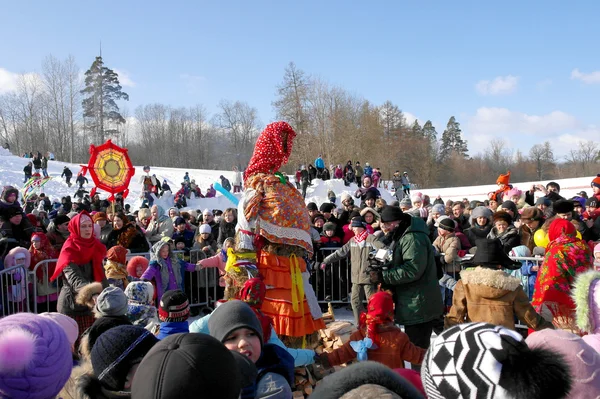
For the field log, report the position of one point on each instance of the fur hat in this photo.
(85, 296)
(365, 380)
(134, 263)
(116, 351)
(483, 360)
(99, 216)
(503, 179)
(204, 229)
(504, 216)
(35, 357)
(188, 365)
(563, 206)
(586, 296)
(370, 195)
(596, 181)
(581, 359)
(174, 306)
(532, 213)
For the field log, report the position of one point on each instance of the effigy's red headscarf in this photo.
(81, 251)
(380, 310)
(272, 149)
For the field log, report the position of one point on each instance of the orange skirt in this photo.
(276, 270)
(278, 305)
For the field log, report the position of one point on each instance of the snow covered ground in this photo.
(11, 173)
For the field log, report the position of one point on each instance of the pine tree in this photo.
(429, 131)
(452, 140)
(102, 90)
(416, 129)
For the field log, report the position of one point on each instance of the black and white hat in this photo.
(487, 361)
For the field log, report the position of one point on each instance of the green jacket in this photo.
(412, 271)
(358, 170)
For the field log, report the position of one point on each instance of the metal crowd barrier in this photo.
(334, 283)
(14, 291)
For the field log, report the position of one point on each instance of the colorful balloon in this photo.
(541, 238)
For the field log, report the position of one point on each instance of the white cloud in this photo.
(411, 118)
(502, 120)
(124, 78)
(498, 86)
(587, 78)
(8, 81)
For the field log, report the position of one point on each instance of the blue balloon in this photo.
(230, 197)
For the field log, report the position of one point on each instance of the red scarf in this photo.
(80, 251)
(361, 237)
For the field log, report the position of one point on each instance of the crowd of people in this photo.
(116, 324)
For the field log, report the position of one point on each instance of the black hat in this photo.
(543, 201)
(179, 220)
(354, 213)
(446, 224)
(370, 195)
(99, 327)
(117, 350)
(357, 222)
(327, 207)
(188, 365)
(391, 214)
(592, 201)
(368, 376)
(60, 219)
(317, 216)
(511, 206)
(312, 206)
(13, 211)
(231, 316)
(563, 206)
(174, 306)
(490, 253)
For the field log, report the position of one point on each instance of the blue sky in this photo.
(525, 72)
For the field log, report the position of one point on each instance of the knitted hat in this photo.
(68, 325)
(116, 351)
(579, 357)
(99, 327)
(345, 197)
(509, 205)
(186, 366)
(179, 220)
(531, 213)
(503, 179)
(586, 296)
(140, 303)
(117, 254)
(174, 306)
(99, 216)
(317, 216)
(326, 207)
(416, 198)
(312, 206)
(446, 224)
(365, 380)
(205, 229)
(61, 219)
(35, 357)
(391, 214)
(231, 316)
(357, 222)
(486, 361)
(405, 202)
(134, 263)
(563, 206)
(596, 181)
(111, 302)
(438, 208)
(501, 215)
(592, 202)
(12, 211)
(543, 201)
(513, 192)
(329, 226)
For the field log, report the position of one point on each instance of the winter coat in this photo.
(21, 232)
(527, 236)
(226, 230)
(359, 171)
(393, 350)
(157, 229)
(74, 278)
(359, 258)
(491, 296)
(397, 182)
(405, 181)
(225, 184)
(368, 171)
(413, 272)
(319, 163)
(187, 235)
(130, 236)
(449, 245)
(37, 163)
(362, 192)
(338, 173)
(158, 265)
(44, 163)
(509, 239)
(237, 178)
(67, 173)
(28, 170)
(462, 221)
(476, 232)
(105, 232)
(530, 275)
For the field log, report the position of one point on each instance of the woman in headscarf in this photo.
(566, 256)
(79, 264)
(40, 250)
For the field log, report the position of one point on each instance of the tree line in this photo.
(64, 110)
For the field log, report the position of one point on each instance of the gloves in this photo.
(323, 266)
(376, 276)
(322, 360)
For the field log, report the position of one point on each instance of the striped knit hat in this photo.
(487, 361)
(174, 306)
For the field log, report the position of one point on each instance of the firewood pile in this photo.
(334, 335)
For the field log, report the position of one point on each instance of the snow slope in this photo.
(11, 173)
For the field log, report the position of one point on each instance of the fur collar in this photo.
(493, 278)
(581, 296)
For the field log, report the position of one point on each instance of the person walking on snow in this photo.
(405, 184)
(67, 174)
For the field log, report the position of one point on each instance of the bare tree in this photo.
(542, 156)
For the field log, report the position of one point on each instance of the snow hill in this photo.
(11, 173)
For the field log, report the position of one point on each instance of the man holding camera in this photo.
(412, 273)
